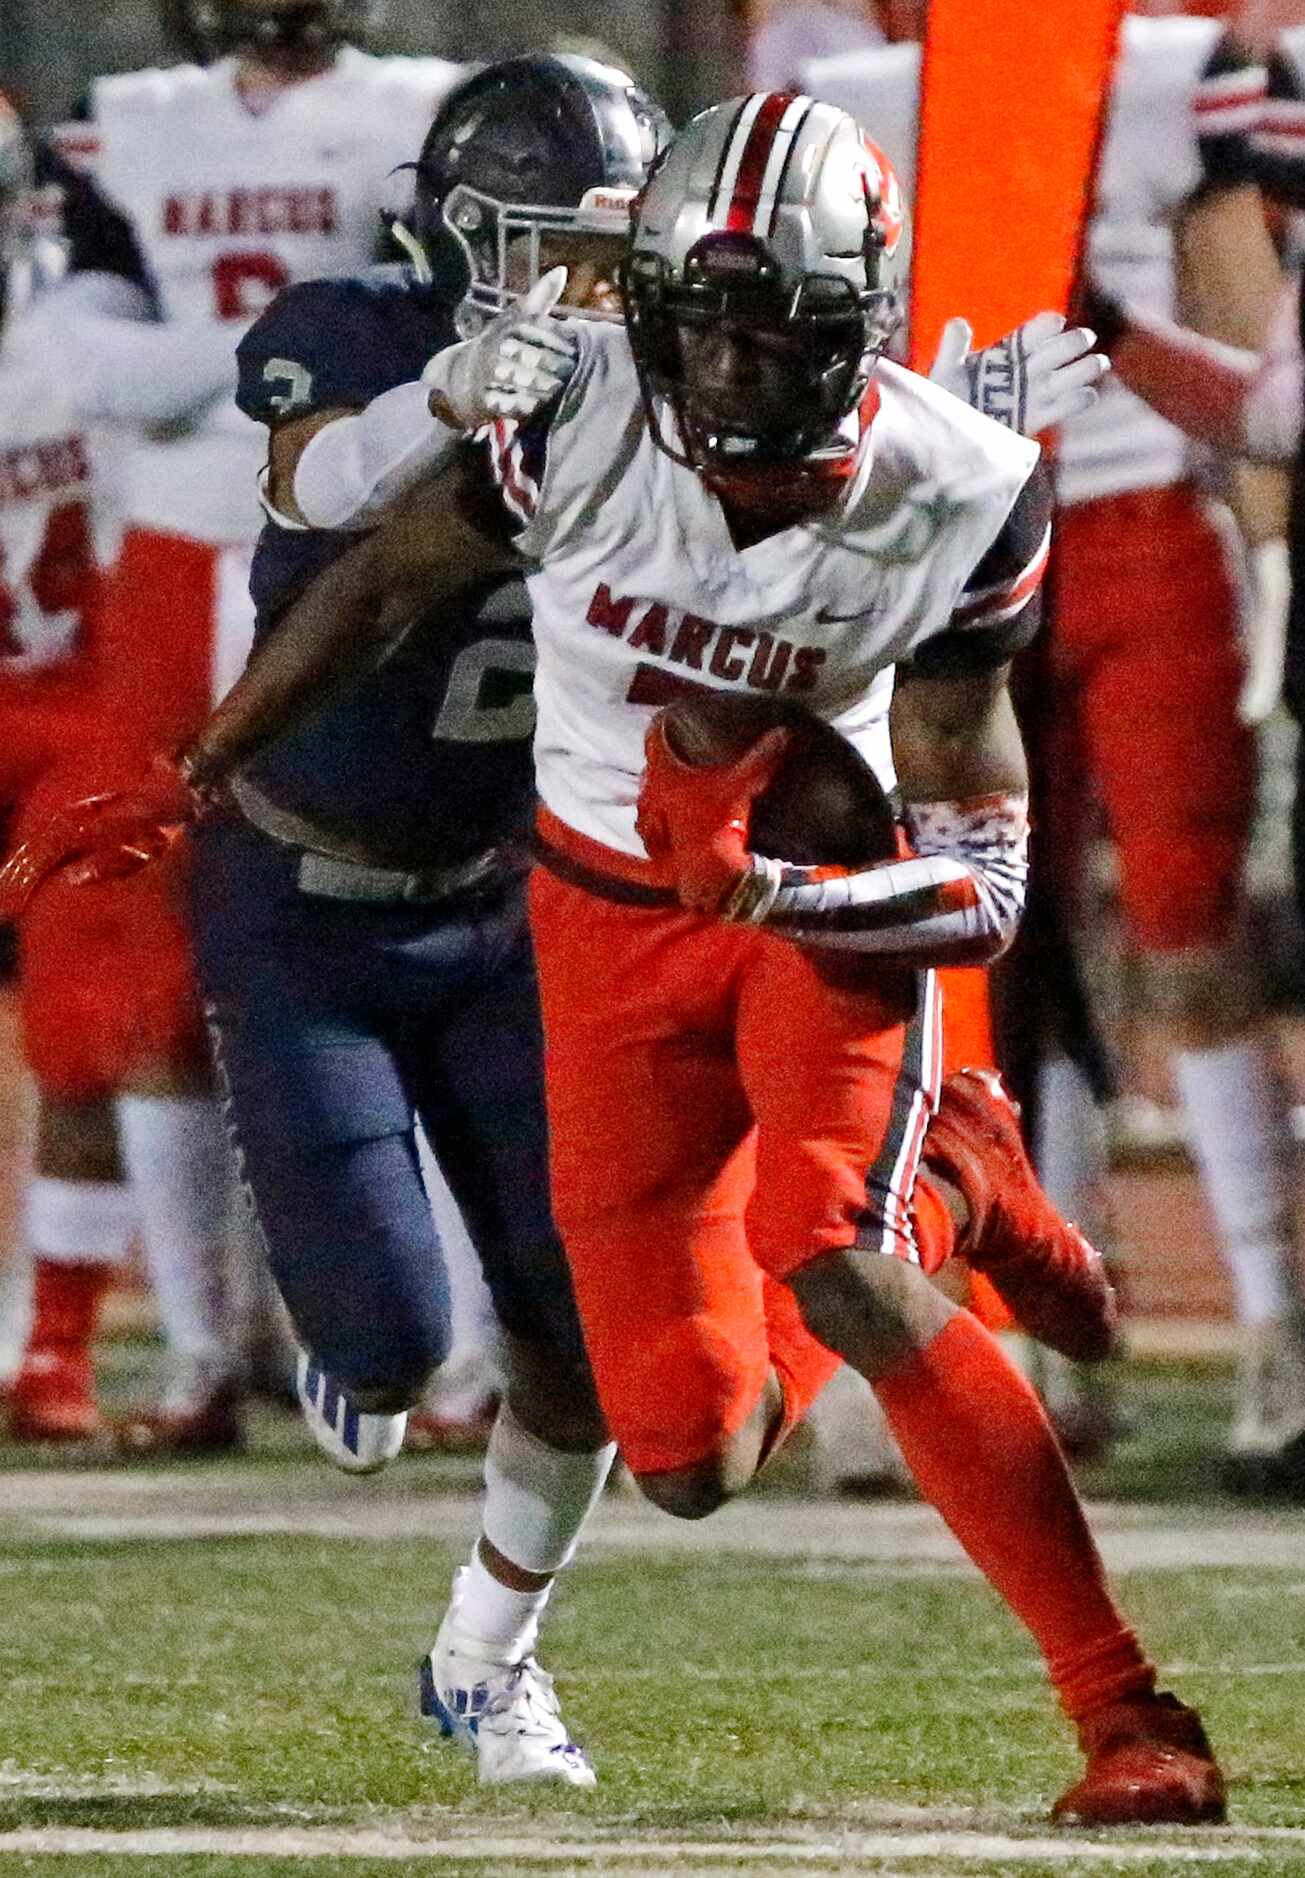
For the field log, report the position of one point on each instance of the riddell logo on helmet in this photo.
(618, 200)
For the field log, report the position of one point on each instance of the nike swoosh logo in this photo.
(825, 618)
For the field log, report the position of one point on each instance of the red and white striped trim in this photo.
(747, 190)
(79, 145)
(1282, 128)
(987, 606)
(1231, 103)
(898, 1228)
(519, 489)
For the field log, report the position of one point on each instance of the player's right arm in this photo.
(422, 546)
(363, 402)
(427, 549)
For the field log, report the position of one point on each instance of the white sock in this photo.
(1070, 1151)
(496, 1622)
(537, 1497)
(1238, 1115)
(176, 1154)
(80, 1222)
(15, 1311)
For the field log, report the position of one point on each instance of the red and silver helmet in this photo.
(774, 212)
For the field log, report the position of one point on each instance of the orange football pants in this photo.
(719, 1116)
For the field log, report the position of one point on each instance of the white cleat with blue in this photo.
(506, 1714)
(359, 1442)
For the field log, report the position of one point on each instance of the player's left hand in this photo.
(1040, 375)
(695, 815)
(104, 837)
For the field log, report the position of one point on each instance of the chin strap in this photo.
(772, 492)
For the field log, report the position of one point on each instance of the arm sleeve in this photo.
(1236, 401)
(1000, 609)
(132, 368)
(353, 468)
(956, 901)
(1228, 107)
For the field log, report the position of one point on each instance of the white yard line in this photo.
(845, 1851)
(905, 1537)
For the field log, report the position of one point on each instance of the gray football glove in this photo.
(1039, 375)
(520, 361)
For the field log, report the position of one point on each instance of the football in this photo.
(825, 805)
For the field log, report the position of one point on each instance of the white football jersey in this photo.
(55, 525)
(639, 588)
(228, 207)
(1163, 103)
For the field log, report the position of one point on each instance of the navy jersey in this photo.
(424, 760)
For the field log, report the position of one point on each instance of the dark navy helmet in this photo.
(523, 148)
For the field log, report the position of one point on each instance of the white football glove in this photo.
(520, 361)
(1037, 376)
(1264, 631)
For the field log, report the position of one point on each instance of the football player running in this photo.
(262, 164)
(740, 494)
(57, 521)
(360, 916)
(766, 503)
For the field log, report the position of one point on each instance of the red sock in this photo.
(802, 1365)
(975, 1436)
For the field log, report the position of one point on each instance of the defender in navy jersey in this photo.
(360, 917)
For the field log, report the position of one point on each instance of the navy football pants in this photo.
(336, 1023)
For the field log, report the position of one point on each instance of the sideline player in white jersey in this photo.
(267, 165)
(57, 528)
(1147, 609)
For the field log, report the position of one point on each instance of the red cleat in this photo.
(1043, 1268)
(52, 1398)
(1149, 1763)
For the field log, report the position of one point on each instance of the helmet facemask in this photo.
(504, 244)
(833, 337)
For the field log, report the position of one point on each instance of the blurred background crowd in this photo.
(1151, 1016)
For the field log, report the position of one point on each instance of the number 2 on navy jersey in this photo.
(475, 708)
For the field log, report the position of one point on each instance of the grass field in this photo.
(209, 1670)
